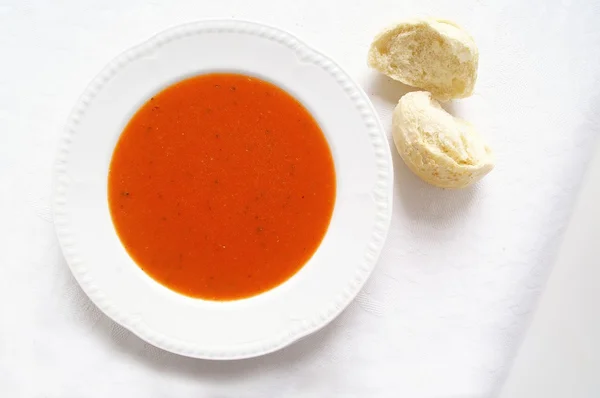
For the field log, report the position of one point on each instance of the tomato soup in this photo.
(221, 186)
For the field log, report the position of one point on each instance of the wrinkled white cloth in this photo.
(448, 303)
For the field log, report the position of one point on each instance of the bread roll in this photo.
(431, 54)
(443, 150)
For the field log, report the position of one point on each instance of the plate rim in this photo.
(307, 53)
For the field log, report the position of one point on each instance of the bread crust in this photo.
(441, 149)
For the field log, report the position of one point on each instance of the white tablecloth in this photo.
(449, 301)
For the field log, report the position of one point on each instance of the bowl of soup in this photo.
(223, 190)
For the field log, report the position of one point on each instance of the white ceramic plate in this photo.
(272, 320)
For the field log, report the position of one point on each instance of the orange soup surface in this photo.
(221, 186)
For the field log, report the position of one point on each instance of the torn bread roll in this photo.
(443, 150)
(431, 54)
